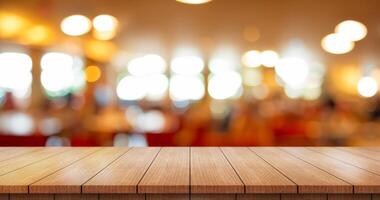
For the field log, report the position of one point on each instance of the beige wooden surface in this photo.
(196, 173)
(363, 181)
(169, 172)
(211, 172)
(309, 178)
(123, 175)
(257, 175)
(71, 178)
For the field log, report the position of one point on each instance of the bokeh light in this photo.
(15, 71)
(269, 58)
(147, 65)
(61, 73)
(194, 1)
(105, 27)
(337, 44)
(187, 65)
(351, 30)
(156, 86)
(76, 25)
(11, 24)
(225, 85)
(184, 87)
(293, 71)
(252, 58)
(131, 88)
(367, 86)
(93, 73)
(37, 35)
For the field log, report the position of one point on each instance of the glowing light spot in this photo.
(269, 58)
(147, 65)
(37, 35)
(93, 73)
(15, 71)
(225, 85)
(252, 59)
(11, 24)
(131, 88)
(105, 27)
(194, 1)
(367, 87)
(352, 30)
(156, 86)
(186, 87)
(337, 44)
(101, 51)
(76, 25)
(187, 65)
(252, 77)
(293, 71)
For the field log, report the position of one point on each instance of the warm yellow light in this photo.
(101, 51)
(194, 1)
(76, 25)
(37, 35)
(337, 44)
(269, 58)
(11, 25)
(93, 73)
(105, 27)
(352, 30)
(251, 58)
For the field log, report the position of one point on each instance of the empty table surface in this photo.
(180, 172)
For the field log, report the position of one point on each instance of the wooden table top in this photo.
(195, 170)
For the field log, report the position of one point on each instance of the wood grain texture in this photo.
(213, 197)
(18, 181)
(167, 197)
(76, 197)
(258, 197)
(31, 197)
(374, 155)
(169, 172)
(9, 152)
(28, 158)
(4, 196)
(362, 180)
(350, 158)
(212, 173)
(71, 178)
(121, 197)
(349, 197)
(308, 178)
(123, 175)
(257, 175)
(303, 197)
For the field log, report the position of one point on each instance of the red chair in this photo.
(27, 141)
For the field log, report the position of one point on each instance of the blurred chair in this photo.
(160, 139)
(29, 141)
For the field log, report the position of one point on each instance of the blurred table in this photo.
(178, 173)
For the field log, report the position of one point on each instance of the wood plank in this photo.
(303, 197)
(349, 197)
(28, 158)
(76, 197)
(169, 172)
(308, 178)
(31, 197)
(123, 175)
(71, 178)
(11, 152)
(362, 152)
(257, 175)
(19, 180)
(213, 197)
(258, 197)
(167, 197)
(4, 196)
(121, 197)
(376, 197)
(212, 173)
(359, 161)
(362, 180)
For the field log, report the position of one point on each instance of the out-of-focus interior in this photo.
(189, 72)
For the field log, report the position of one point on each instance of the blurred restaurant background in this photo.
(189, 72)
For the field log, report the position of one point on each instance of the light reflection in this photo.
(351, 30)
(225, 85)
(367, 86)
(337, 44)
